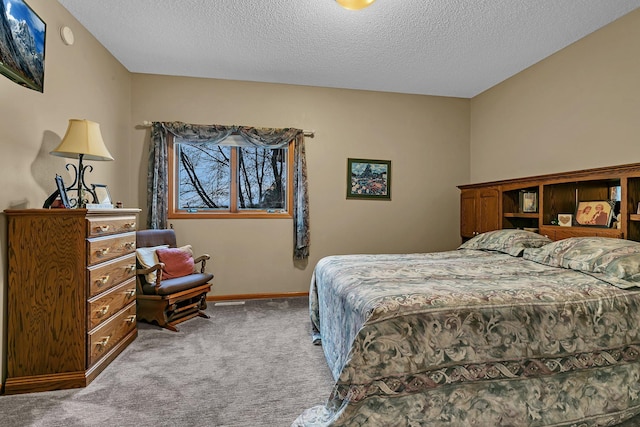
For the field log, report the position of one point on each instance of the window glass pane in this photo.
(262, 175)
(203, 176)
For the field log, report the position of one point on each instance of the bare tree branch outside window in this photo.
(205, 177)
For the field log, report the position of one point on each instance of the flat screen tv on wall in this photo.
(22, 40)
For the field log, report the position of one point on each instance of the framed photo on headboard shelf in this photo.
(528, 201)
(595, 213)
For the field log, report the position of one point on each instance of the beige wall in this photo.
(426, 138)
(81, 81)
(579, 108)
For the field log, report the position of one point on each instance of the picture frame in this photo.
(64, 198)
(22, 58)
(565, 220)
(596, 213)
(615, 193)
(528, 201)
(368, 179)
(59, 198)
(101, 194)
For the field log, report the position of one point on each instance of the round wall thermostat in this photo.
(67, 35)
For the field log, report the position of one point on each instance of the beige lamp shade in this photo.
(355, 4)
(83, 137)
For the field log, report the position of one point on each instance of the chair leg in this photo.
(170, 327)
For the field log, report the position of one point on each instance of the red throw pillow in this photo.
(177, 262)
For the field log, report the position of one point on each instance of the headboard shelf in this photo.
(540, 202)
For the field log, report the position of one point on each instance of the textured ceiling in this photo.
(433, 47)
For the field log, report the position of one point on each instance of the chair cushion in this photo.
(183, 283)
(147, 258)
(177, 262)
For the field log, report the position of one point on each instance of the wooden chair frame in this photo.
(171, 309)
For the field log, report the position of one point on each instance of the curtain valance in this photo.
(157, 179)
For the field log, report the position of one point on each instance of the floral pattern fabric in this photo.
(508, 241)
(472, 338)
(616, 261)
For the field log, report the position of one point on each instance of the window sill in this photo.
(226, 215)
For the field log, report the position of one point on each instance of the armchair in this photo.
(169, 288)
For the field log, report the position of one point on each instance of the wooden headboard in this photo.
(536, 202)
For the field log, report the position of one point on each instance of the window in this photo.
(229, 179)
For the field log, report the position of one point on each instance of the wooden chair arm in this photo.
(203, 259)
(157, 267)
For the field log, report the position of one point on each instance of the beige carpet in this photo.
(250, 365)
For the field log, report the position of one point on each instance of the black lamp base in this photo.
(80, 186)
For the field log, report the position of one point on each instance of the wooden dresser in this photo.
(71, 297)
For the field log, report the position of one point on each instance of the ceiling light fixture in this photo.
(355, 4)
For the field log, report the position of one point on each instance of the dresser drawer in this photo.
(102, 226)
(107, 335)
(108, 274)
(108, 303)
(100, 249)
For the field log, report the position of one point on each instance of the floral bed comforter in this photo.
(472, 338)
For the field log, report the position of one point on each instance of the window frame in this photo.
(174, 213)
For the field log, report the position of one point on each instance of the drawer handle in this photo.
(130, 268)
(102, 252)
(104, 310)
(130, 245)
(102, 228)
(131, 319)
(103, 343)
(103, 280)
(130, 225)
(130, 293)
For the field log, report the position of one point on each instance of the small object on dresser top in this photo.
(99, 206)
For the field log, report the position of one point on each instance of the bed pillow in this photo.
(616, 261)
(509, 241)
(147, 258)
(590, 254)
(177, 262)
(547, 254)
(623, 271)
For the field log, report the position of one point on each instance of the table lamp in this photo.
(83, 141)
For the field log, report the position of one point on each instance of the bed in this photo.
(511, 329)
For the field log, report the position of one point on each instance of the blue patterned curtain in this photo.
(157, 181)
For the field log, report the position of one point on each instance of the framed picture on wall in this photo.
(22, 56)
(368, 179)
